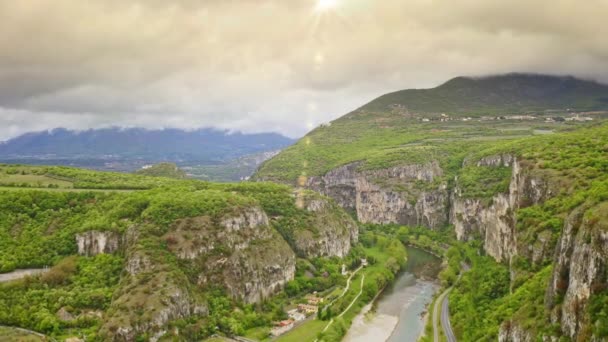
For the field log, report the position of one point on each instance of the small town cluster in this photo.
(298, 314)
(304, 310)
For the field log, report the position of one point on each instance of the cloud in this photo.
(267, 65)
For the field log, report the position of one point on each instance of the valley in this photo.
(510, 191)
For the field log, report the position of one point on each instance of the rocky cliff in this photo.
(580, 271)
(242, 252)
(151, 294)
(239, 251)
(409, 194)
(95, 242)
(494, 220)
(580, 255)
(510, 332)
(331, 232)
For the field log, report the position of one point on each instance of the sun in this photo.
(326, 5)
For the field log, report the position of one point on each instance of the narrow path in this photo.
(30, 332)
(349, 306)
(345, 289)
(18, 274)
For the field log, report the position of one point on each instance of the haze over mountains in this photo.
(129, 149)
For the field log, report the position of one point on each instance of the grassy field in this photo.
(305, 332)
(13, 335)
(36, 181)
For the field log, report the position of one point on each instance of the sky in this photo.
(268, 65)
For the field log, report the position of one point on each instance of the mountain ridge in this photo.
(496, 94)
(165, 144)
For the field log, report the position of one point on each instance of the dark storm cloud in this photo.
(258, 65)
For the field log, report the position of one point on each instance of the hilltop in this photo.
(512, 169)
(463, 113)
(498, 95)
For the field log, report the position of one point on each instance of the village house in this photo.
(296, 315)
(282, 327)
(308, 309)
(314, 300)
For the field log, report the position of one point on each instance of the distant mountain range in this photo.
(129, 149)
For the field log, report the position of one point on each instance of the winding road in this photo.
(445, 320)
(444, 311)
(444, 301)
(18, 274)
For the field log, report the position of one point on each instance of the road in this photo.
(444, 301)
(18, 274)
(438, 302)
(445, 320)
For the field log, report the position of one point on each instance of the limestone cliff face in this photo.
(580, 270)
(242, 252)
(151, 294)
(95, 242)
(403, 194)
(510, 332)
(494, 221)
(332, 232)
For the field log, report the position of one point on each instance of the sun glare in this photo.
(326, 5)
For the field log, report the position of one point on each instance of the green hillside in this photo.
(516, 189)
(479, 113)
(154, 221)
(498, 95)
(169, 170)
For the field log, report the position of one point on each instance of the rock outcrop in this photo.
(96, 242)
(332, 232)
(581, 268)
(153, 293)
(511, 332)
(243, 253)
(402, 194)
(494, 220)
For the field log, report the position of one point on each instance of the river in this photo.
(398, 315)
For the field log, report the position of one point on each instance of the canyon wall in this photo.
(416, 195)
(403, 194)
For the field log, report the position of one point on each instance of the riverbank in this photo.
(399, 312)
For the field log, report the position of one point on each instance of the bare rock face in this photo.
(372, 195)
(511, 332)
(581, 268)
(95, 242)
(243, 253)
(494, 221)
(151, 294)
(332, 232)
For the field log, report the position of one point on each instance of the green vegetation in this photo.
(14, 335)
(386, 256)
(82, 287)
(498, 95)
(169, 170)
(38, 228)
(380, 135)
(482, 300)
